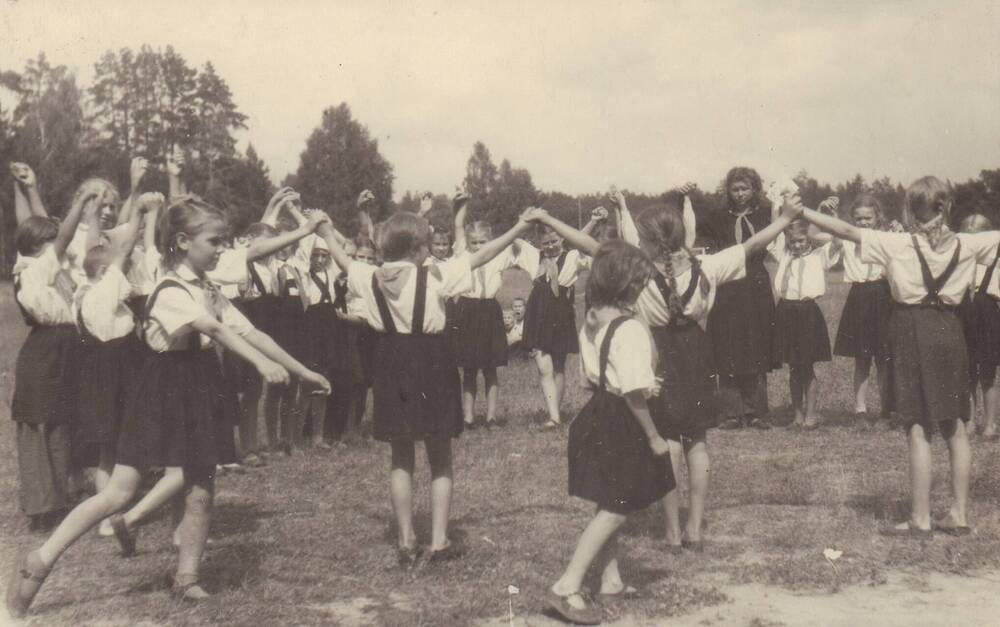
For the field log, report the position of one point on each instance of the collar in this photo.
(188, 275)
(745, 212)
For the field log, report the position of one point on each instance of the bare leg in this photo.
(291, 415)
(611, 576)
(439, 458)
(796, 392)
(862, 368)
(469, 395)
(883, 388)
(272, 404)
(492, 393)
(121, 487)
(920, 476)
(401, 491)
(169, 486)
(960, 456)
(672, 501)
(991, 398)
(101, 476)
(696, 453)
(591, 542)
(550, 393)
(810, 392)
(194, 531)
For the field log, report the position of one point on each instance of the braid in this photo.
(698, 275)
(674, 304)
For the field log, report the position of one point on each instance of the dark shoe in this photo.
(675, 549)
(26, 579)
(471, 426)
(408, 556)
(731, 424)
(909, 531)
(947, 526)
(125, 538)
(697, 546)
(763, 425)
(450, 552)
(590, 614)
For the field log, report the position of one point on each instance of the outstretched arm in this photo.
(836, 226)
(494, 247)
(598, 215)
(123, 240)
(137, 169)
(577, 239)
(67, 228)
(27, 200)
(791, 208)
(175, 161)
(461, 205)
(340, 257)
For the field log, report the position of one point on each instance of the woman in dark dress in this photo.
(742, 322)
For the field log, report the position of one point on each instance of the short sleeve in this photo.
(726, 265)
(879, 247)
(631, 357)
(113, 288)
(43, 270)
(175, 308)
(456, 276)
(231, 269)
(982, 245)
(528, 257)
(234, 319)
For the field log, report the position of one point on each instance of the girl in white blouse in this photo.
(929, 272)
(177, 415)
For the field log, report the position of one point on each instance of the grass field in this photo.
(310, 540)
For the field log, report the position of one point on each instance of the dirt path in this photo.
(904, 601)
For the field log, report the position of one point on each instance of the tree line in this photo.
(147, 102)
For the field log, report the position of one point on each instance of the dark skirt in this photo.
(261, 311)
(416, 388)
(345, 359)
(550, 323)
(800, 335)
(479, 340)
(46, 376)
(610, 461)
(741, 324)
(290, 329)
(930, 375)
(137, 303)
(320, 321)
(107, 376)
(43, 463)
(366, 341)
(180, 414)
(980, 317)
(687, 405)
(864, 322)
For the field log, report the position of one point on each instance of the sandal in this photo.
(25, 581)
(589, 614)
(909, 531)
(126, 540)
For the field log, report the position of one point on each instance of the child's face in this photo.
(107, 215)
(798, 243)
(508, 319)
(285, 253)
(517, 307)
(365, 255)
(440, 245)
(476, 240)
(319, 261)
(551, 244)
(741, 192)
(865, 218)
(203, 250)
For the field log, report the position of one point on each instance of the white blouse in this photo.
(45, 287)
(802, 277)
(857, 271)
(895, 252)
(168, 327)
(631, 360)
(488, 278)
(101, 306)
(530, 259)
(444, 280)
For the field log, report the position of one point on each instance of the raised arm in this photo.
(340, 257)
(175, 162)
(22, 210)
(123, 240)
(836, 226)
(27, 200)
(790, 209)
(426, 204)
(262, 247)
(137, 170)
(626, 225)
(576, 239)
(67, 228)
(598, 215)
(494, 247)
(461, 205)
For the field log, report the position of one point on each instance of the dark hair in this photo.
(618, 275)
(662, 225)
(749, 175)
(33, 233)
(188, 215)
(402, 235)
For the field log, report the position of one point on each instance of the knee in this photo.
(117, 497)
(490, 376)
(198, 499)
(544, 363)
(439, 457)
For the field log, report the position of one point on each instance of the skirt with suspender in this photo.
(550, 320)
(478, 339)
(800, 334)
(610, 461)
(107, 377)
(930, 373)
(687, 405)
(320, 321)
(416, 385)
(863, 330)
(980, 315)
(180, 413)
(741, 325)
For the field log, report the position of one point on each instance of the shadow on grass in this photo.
(880, 506)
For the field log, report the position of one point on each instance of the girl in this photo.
(478, 339)
(45, 381)
(345, 359)
(863, 332)
(416, 386)
(171, 418)
(981, 320)
(801, 338)
(616, 457)
(742, 320)
(320, 322)
(112, 352)
(550, 316)
(929, 270)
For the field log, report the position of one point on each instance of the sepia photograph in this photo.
(519, 314)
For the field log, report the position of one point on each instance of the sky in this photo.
(583, 94)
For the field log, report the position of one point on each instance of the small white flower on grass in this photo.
(832, 554)
(513, 590)
(489, 541)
